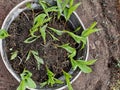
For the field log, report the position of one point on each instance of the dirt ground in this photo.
(104, 45)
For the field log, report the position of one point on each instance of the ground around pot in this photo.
(104, 46)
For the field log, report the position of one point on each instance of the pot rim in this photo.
(3, 54)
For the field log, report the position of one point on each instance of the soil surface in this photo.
(104, 45)
(54, 57)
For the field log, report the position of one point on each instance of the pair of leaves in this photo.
(26, 81)
(82, 65)
(67, 78)
(36, 56)
(51, 79)
(3, 34)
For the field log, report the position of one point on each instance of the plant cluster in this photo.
(62, 8)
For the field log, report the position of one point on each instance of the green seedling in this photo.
(14, 55)
(43, 33)
(31, 39)
(51, 79)
(82, 65)
(69, 49)
(47, 7)
(28, 5)
(3, 34)
(26, 81)
(36, 56)
(67, 78)
(66, 11)
(54, 38)
(58, 32)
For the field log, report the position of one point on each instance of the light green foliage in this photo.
(3, 34)
(67, 78)
(28, 5)
(77, 38)
(69, 49)
(31, 39)
(14, 55)
(82, 65)
(36, 56)
(26, 81)
(43, 33)
(63, 9)
(47, 8)
(51, 79)
(54, 38)
(58, 32)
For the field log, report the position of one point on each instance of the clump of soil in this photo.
(55, 58)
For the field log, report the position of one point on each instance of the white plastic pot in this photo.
(75, 20)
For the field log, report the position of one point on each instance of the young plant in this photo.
(26, 81)
(36, 56)
(51, 79)
(14, 55)
(47, 7)
(38, 25)
(66, 8)
(81, 64)
(67, 78)
(3, 34)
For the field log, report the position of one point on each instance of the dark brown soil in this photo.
(104, 46)
(55, 58)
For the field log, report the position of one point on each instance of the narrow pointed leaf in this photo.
(31, 39)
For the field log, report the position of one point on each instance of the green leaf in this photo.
(71, 9)
(28, 55)
(26, 80)
(77, 38)
(71, 3)
(59, 2)
(67, 78)
(22, 85)
(14, 55)
(43, 84)
(39, 59)
(74, 63)
(30, 83)
(64, 4)
(54, 38)
(77, 29)
(38, 21)
(52, 9)
(51, 79)
(26, 74)
(47, 20)
(84, 68)
(43, 33)
(31, 39)
(58, 32)
(28, 5)
(90, 62)
(33, 30)
(3, 34)
(66, 13)
(90, 30)
(69, 49)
